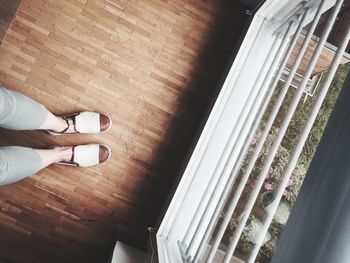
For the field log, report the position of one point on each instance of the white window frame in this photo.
(227, 127)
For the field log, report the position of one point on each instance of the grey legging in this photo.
(18, 112)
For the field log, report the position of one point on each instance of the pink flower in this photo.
(253, 142)
(252, 183)
(268, 186)
(285, 193)
(290, 182)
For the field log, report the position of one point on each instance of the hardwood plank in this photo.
(323, 63)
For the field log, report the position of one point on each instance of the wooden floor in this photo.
(153, 66)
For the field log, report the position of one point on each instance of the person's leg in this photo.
(19, 112)
(17, 163)
(54, 155)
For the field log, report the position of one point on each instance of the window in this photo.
(212, 170)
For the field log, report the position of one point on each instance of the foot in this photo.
(82, 155)
(83, 122)
(68, 126)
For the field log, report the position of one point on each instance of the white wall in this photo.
(123, 253)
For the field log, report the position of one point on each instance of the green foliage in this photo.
(245, 245)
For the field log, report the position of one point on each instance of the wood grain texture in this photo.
(334, 39)
(323, 63)
(153, 66)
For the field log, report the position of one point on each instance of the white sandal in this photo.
(85, 122)
(88, 155)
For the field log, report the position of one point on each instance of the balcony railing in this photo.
(187, 232)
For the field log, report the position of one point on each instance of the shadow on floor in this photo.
(8, 10)
(223, 41)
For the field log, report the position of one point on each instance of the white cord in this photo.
(150, 230)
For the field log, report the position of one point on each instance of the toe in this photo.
(104, 153)
(105, 122)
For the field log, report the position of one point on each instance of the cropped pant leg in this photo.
(17, 163)
(19, 112)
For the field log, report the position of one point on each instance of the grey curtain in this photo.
(318, 229)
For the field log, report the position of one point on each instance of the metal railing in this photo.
(282, 130)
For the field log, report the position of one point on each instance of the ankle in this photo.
(54, 123)
(60, 124)
(64, 153)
